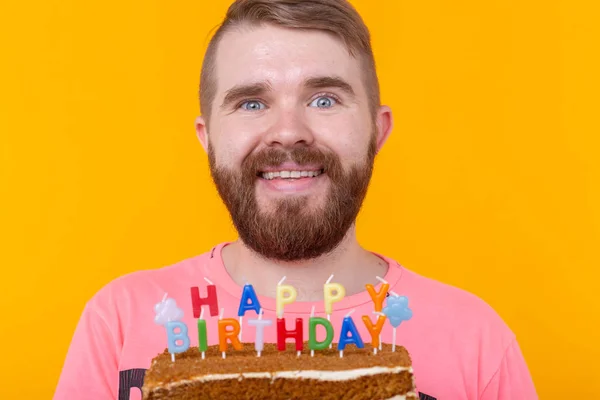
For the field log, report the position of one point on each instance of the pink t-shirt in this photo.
(460, 347)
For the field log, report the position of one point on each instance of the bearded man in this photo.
(292, 122)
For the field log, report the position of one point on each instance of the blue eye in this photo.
(252, 105)
(323, 102)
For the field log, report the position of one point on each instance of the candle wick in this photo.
(260, 313)
(347, 315)
(164, 297)
(312, 312)
(202, 313)
(394, 293)
(329, 280)
(209, 281)
(221, 314)
(380, 279)
(281, 281)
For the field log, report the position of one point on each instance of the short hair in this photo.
(336, 17)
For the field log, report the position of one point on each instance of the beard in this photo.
(291, 231)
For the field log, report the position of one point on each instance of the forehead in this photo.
(284, 57)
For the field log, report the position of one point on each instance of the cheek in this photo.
(346, 137)
(234, 141)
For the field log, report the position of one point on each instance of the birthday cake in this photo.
(359, 374)
(317, 369)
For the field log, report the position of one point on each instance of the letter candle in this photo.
(169, 316)
(348, 327)
(260, 325)
(312, 315)
(281, 299)
(375, 330)
(225, 334)
(378, 297)
(248, 302)
(210, 300)
(202, 345)
(330, 297)
(313, 343)
(296, 334)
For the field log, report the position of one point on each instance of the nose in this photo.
(289, 129)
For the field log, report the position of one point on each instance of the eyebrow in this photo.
(323, 82)
(257, 89)
(239, 92)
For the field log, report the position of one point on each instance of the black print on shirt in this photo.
(129, 379)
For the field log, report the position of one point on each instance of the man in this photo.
(292, 122)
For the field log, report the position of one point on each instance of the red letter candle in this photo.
(283, 334)
(210, 300)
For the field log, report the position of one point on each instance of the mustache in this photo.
(272, 157)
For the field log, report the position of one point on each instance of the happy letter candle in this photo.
(260, 325)
(283, 334)
(378, 297)
(348, 327)
(210, 300)
(249, 301)
(225, 333)
(332, 293)
(374, 330)
(286, 294)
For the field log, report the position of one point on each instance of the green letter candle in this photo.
(202, 345)
(313, 343)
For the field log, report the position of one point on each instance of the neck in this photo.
(352, 266)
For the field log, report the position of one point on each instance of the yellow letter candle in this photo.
(286, 294)
(332, 293)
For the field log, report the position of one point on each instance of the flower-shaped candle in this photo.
(397, 311)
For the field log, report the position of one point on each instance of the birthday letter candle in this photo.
(349, 334)
(260, 325)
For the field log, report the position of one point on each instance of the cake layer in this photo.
(360, 374)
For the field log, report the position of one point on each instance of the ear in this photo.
(201, 132)
(385, 124)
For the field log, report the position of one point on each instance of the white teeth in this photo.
(290, 174)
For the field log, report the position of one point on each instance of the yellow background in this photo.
(490, 181)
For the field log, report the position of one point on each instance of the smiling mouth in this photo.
(290, 174)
